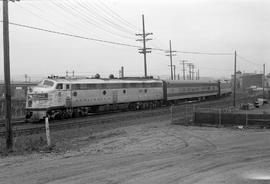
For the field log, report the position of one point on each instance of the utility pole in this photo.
(198, 75)
(25, 78)
(189, 68)
(192, 66)
(184, 73)
(9, 134)
(174, 74)
(171, 55)
(122, 72)
(73, 73)
(174, 68)
(263, 80)
(234, 80)
(144, 50)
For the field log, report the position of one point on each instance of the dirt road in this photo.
(156, 152)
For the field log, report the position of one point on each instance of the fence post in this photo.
(219, 117)
(47, 132)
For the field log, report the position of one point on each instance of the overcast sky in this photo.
(215, 26)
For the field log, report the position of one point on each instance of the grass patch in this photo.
(62, 141)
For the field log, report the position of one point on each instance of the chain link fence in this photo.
(17, 109)
(219, 116)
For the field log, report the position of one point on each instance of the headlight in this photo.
(30, 97)
(30, 103)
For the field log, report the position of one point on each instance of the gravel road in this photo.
(156, 152)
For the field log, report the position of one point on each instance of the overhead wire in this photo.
(246, 60)
(73, 35)
(103, 17)
(70, 9)
(38, 16)
(79, 25)
(115, 14)
(92, 39)
(190, 52)
(104, 22)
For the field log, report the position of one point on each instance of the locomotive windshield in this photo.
(46, 83)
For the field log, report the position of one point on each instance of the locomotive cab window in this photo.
(59, 86)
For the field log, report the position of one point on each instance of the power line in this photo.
(114, 14)
(189, 52)
(106, 17)
(215, 69)
(71, 10)
(204, 53)
(65, 14)
(86, 18)
(73, 35)
(103, 19)
(96, 39)
(38, 16)
(244, 59)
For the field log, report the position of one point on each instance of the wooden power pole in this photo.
(9, 136)
(184, 71)
(144, 50)
(171, 55)
(263, 80)
(234, 80)
(190, 70)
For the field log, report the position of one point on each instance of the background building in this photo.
(245, 81)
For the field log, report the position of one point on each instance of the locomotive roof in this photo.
(86, 80)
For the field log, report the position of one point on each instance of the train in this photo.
(64, 97)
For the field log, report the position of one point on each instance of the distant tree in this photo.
(97, 76)
(111, 76)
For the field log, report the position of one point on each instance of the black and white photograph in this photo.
(134, 91)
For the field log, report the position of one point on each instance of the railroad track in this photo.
(20, 128)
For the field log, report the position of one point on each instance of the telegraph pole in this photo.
(174, 74)
(263, 80)
(9, 136)
(171, 55)
(144, 50)
(25, 78)
(184, 73)
(234, 80)
(189, 68)
(192, 66)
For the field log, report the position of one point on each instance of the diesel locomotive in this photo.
(64, 97)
